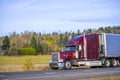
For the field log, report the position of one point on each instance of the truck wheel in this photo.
(113, 62)
(67, 65)
(107, 63)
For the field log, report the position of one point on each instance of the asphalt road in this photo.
(76, 74)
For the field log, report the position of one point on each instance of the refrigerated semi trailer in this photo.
(88, 50)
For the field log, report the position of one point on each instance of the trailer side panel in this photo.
(112, 43)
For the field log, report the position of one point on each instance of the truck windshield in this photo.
(70, 48)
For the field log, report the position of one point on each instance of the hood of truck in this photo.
(67, 55)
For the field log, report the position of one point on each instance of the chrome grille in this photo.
(55, 56)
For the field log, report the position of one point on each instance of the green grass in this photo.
(16, 60)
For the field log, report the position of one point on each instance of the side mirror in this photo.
(80, 48)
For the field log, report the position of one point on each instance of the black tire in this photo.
(67, 65)
(107, 63)
(118, 62)
(113, 62)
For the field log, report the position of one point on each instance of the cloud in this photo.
(51, 15)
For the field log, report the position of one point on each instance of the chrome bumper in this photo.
(56, 64)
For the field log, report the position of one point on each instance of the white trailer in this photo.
(109, 46)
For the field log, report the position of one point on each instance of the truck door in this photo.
(92, 47)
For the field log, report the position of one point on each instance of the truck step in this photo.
(89, 63)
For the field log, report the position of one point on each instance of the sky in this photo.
(47, 16)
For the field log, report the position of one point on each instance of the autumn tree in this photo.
(47, 42)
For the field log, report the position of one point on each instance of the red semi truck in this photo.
(88, 50)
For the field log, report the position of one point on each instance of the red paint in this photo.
(92, 48)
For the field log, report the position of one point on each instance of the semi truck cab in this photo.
(86, 50)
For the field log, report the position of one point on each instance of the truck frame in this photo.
(88, 50)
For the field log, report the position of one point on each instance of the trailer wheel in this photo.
(107, 63)
(118, 63)
(67, 65)
(113, 62)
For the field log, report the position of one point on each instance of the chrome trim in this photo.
(105, 44)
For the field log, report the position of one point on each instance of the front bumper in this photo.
(56, 64)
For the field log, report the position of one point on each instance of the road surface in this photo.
(76, 74)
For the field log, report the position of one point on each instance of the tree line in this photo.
(41, 44)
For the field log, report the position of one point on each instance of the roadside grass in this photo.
(17, 60)
(16, 63)
(105, 78)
